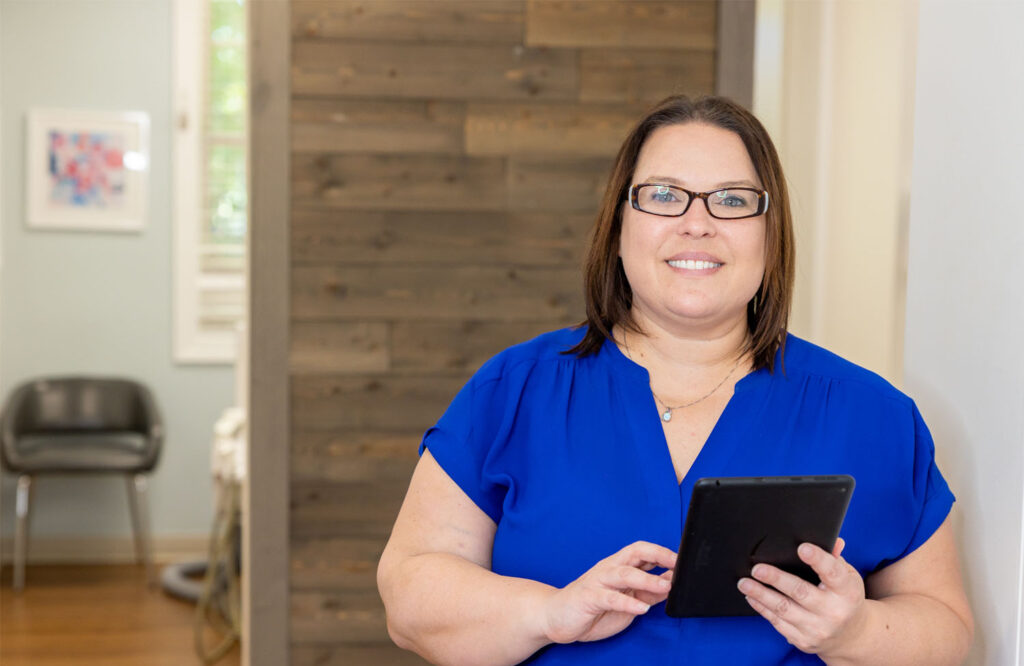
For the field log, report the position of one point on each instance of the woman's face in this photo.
(695, 270)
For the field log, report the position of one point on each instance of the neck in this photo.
(686, 351)
(685, 370)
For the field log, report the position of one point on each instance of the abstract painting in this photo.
(87, 170)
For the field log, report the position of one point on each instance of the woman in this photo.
(544, 506)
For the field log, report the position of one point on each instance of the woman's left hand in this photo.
(816, 620)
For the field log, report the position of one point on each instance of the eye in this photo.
(663, 194)
(731, 198)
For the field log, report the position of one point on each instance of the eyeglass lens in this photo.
(672, 201)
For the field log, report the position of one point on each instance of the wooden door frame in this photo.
(734, 61)
(266, 544)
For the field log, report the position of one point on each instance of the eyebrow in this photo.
(729, 183)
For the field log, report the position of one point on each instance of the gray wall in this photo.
(92, 302)
(965, 310)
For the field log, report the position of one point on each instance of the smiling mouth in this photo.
(693, 264)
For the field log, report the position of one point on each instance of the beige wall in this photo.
(834, 85)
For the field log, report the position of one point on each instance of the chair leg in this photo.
(140, 523)
(22, 506)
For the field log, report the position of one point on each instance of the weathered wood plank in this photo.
(442, 347)
(374, 403)
(402, 237)
(354, 455)
(393, 182)
(486, 22)
(338, 347)
(460, 292)
(359, 509)
(433, 71)
(632, 75)
(686, 24)
(353, 654)
(337, 617)
(335, 563)
(377, 126)
(557, 184)
(564, 129)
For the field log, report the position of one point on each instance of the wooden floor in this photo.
(92, 616)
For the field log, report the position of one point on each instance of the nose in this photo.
(697, 221)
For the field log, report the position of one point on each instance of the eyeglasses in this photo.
(730, 203)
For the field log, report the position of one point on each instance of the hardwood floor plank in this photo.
(93, 615)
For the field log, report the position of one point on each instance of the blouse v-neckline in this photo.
(649, 435)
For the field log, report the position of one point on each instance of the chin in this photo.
(704, 313)
(694, 307)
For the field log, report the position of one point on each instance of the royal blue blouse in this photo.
(567, 455)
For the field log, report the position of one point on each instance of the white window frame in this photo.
(191, 343)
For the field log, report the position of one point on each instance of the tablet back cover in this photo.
(736, 522)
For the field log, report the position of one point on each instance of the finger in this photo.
(612, 600)
(788, 630)
(834, 571)
(837, 550)
(630, 578)
(652, 598)
(649, 598)
(794, 587)
(643, 552)
(779, 604)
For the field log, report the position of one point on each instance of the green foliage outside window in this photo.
(226, 120)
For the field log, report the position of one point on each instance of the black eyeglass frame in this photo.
(762, 200)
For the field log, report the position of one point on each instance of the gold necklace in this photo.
(666, 416)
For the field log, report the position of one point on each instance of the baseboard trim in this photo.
(106, 550)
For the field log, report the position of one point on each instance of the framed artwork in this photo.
(87, 170)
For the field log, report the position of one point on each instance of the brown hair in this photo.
(608, 294)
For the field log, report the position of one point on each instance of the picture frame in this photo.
(87, 170)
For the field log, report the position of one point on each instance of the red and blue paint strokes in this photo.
(86, 169)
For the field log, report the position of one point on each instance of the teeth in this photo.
(693, 265)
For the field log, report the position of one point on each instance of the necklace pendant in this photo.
(667, 416)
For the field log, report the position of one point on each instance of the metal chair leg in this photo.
(23, 506)
(140, 524)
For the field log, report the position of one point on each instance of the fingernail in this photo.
(664, 584)
(744, 585)
(642, 607)
(806, 550)
(757, 571)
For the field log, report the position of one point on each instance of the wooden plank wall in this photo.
(447, 158)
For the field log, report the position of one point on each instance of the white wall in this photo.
(99, 303)
(965, 309)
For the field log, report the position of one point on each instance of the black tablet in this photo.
(736, 522)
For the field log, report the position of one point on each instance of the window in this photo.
(209, 178)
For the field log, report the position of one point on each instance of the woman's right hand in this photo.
(605, 600)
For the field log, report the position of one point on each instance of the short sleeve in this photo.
(930, 491)
(464, 442)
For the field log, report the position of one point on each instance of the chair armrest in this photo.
(152, 423)
(11, 420)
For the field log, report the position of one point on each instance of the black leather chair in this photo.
(68, 425)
